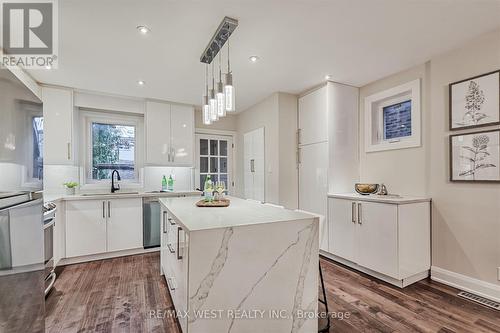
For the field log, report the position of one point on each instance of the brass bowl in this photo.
(365, 189)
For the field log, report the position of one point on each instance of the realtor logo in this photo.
(29, 33)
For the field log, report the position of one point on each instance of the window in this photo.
(214, 156)
(397, 120)
(392, 118)
(113, 147)
(37, 152)
(112, 141)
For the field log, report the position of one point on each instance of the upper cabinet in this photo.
(58, 126)
(169, 134)
(313, 117)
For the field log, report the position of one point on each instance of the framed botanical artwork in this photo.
(475, 102)
(475, 157)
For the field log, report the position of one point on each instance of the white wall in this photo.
(465, 217)
(403, 171)
(278, 115)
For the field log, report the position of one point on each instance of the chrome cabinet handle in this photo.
(103, 209)
(179, 257)
(164, 224)
(169, 284)
(252, 165)
(109, 208)
(353, 212)
(299, 136)
(172, 222)
(69, 150)
(172, 149)
(359, 214)
(299, 160)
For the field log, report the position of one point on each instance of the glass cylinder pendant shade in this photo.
(213, 106)
(229, 93)
(221, 109)
(205, 111)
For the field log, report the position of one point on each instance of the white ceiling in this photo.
(298, 42)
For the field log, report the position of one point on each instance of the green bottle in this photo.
(208, 189)
(170, 183)
(164, 184)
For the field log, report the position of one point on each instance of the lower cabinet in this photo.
(174, 263)
(99, 226)
(386, 238)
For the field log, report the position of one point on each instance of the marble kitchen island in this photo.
(248, 267)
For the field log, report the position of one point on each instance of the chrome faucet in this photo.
(114, 187)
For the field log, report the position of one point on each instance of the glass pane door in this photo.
(214, 156)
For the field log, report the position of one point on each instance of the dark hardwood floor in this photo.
(117, 295)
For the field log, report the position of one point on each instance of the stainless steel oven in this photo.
(49, 221)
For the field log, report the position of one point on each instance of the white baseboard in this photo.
(401, 283)
(462, 282)
(100, 256)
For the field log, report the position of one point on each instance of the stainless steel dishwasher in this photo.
(151, 222)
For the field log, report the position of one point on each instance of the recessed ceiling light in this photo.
(253, 58)
(328, 77)
(141, 83)
(143, 29)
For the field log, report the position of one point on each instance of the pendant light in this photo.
(221, 108)
(205, 111)
(228, 88)
(213, 102)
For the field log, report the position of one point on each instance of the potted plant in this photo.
(70, 187)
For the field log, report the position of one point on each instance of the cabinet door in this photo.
(163, 242)
(85, 227)
(179, 273)
(58, 126)
(378, 237)
(124, 224)
(182, 135)
(157, 125)
(342, 228)
(313, 117)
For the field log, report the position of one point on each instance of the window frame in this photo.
(88, 117)
(31, 110)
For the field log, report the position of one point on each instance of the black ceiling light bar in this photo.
(225, 29)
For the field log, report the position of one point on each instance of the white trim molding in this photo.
(374, 105)
(466, 283)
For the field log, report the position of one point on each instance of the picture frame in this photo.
(475, 157)
(475, 102)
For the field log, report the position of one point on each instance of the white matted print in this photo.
(475, 157)
(475, 102)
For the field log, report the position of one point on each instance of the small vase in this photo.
(70, 190)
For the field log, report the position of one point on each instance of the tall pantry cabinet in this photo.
(327, 147)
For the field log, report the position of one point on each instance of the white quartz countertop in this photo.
(239, 213)
(125, 194)
(390, 199)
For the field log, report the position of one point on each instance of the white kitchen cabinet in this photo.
(342, 228)
(313, 117)
(389, 239)
(58, 126)
(182, 134)
(124, 224)
(378, 237)
(85, 227)
(174, 263)
(99, 226)
(169, 134)
(254, 164)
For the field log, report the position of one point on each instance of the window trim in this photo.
(88, 117)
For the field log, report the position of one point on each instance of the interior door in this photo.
(214, 157)
(124, 224)
(254, 164)
(85, 227)
(342, 228)
(378, 237)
